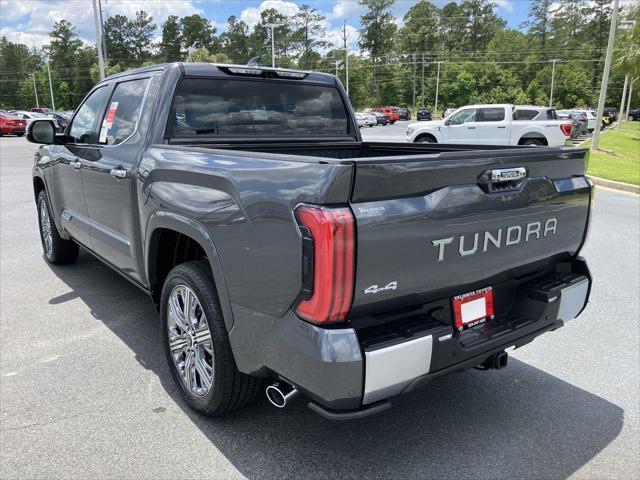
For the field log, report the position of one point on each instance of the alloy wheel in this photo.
(190, 341)
(45, 228)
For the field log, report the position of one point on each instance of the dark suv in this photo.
(423, 114)
(404, 114)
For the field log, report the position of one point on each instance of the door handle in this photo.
(77, 165)
(504, 126)
(471, 128)
(118, 173)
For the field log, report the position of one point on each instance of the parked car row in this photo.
(12, 119)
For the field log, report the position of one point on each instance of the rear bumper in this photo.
(348, 373)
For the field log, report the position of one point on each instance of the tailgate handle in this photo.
(502, 179)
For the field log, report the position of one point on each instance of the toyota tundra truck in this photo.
(284, 253)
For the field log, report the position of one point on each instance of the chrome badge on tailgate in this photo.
(508, 174)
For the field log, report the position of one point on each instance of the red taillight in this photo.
(332, 230)
(566, 129)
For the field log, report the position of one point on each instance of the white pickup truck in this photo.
(491, 125)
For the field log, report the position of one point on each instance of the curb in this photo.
(625, 187)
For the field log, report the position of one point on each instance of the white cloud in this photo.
(505, 5)
(344, 9)
(251, 15)
(18, 36)
(40, 15)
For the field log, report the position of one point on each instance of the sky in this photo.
(29, 21)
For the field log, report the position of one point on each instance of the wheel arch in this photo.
(162, 225)
(38, 186)
(425, 134)
(533, 136)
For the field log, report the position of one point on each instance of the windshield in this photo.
(214, 107)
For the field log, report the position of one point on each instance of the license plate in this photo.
(472, 308)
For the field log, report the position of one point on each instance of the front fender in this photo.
(197, 232)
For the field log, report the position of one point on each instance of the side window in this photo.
(83, 127)
(525, 114)
(552, 115)
(123, 110)
(464, 116)
(491, 114)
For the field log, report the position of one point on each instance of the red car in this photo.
(11, 125)
(44, 110)
(390, 112)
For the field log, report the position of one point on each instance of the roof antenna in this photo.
(254, 62)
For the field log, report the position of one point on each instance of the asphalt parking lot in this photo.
(85, 391)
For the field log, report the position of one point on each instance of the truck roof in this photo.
(214, 70)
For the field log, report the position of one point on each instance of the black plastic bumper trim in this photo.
(349, 414)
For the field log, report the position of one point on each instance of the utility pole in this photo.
(435, 110)
(605, 75)
(273, 43)
(104, 41)
(345, 37)
(337, 63)
(553, 77)
(98, 39)
(414, 82)
(624, 92)
(53, 103)
(35, 90)
(422, 83)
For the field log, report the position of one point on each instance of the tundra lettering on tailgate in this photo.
(512, 235)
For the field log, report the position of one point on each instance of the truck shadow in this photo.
(519, 422)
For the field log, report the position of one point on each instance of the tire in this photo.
(425, 139)
(533, 142)
(57, 250)
(228, 389)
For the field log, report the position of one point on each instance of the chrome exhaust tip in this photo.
(280, 393)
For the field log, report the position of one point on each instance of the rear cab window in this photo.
(212, 107)
(525, 114)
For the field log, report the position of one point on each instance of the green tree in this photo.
(309, 35)
(170, 47)
(235, 41)
(377, 35)
(482, 23)
(142, 29)
(539, 21)
(17, 61)
(119, 38)
(420, 30)
(197, 32)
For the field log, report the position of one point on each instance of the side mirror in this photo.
(42, 131)
(447, 122)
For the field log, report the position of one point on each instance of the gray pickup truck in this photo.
(284, 252)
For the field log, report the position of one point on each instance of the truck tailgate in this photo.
(440, 225)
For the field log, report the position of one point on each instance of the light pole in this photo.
(273, 43)
(624, 92)
(98, 39)
(605, 76)
(553, 76)
(53, 102)
(435, 110)
(35, 90)
(629, 97)
(337, 63)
